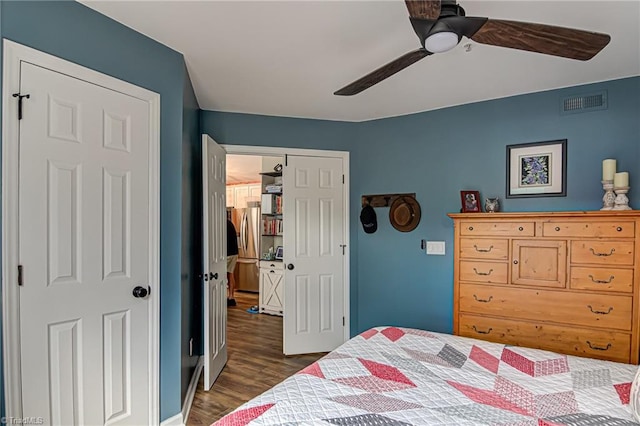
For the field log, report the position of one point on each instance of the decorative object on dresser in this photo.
(470, 201)
(492, 205)
(537, 169)
(608, 172)
(621, 187)
(567, 282)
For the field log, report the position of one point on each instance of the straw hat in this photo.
(404, 214)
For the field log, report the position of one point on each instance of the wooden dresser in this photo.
(563, 281)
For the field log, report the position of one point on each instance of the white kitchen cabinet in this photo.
(239, 195)
(231, 198)
(271, 299)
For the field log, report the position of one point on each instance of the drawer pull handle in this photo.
(515, 262)
(272, 271)
(483, 300)
(600, 312)
(601, 281)
(482, 273)
(599, 348)
(557, 228)
(482, 332)
(482, 250)
(619, 229)
(521, 229)
(471, 228)
(602, 254)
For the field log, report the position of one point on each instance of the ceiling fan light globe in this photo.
(441, 42)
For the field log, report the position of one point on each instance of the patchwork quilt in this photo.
(402, 376)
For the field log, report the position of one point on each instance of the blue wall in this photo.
(192, 295)
(74, 32)
(436, 154)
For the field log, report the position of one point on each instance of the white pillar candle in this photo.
(608, 169)
(620, 180)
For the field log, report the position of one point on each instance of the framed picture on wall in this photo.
(470, 201)
(537, 169)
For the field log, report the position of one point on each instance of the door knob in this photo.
(141, 292)
(290, 266)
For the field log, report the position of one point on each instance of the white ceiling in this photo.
(243, 169)
(286, 58)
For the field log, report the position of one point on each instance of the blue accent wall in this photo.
(192, 294)
(436, 154)
(74, 32)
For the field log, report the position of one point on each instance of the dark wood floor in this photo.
(255, 364)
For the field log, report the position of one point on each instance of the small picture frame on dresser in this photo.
(279, 252)
(470, 202)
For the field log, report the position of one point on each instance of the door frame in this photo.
(344, 155)
(15, 53)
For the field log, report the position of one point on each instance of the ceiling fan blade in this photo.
(556, 41)
(423, 9)
(382, 73)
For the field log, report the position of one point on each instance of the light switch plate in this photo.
(435, 247)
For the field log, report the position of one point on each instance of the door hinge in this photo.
(19, 96)
(343, 247)
(343, 322)
(286, 159)
(343, 179)
(20, 275)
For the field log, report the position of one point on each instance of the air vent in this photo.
(583, 103)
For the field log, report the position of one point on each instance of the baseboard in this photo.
(173, 421)
(191, 390)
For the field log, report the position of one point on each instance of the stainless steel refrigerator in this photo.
(247, 224)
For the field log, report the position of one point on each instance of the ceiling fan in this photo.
(440, 25)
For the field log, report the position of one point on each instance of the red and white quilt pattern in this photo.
(402, 376)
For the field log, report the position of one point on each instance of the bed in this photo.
(404, 376)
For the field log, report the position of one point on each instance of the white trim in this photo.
(173, 421)
(15, 53)
(191, 390)
(344, 155)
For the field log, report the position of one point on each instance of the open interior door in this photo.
(214, 159)
(314, 255)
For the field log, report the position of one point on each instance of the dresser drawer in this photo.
(601, 344)
(519, 229)
(586, 309)
(477, 248)
(602, 252)
(589, 229)
(601, 279)
(483, 272)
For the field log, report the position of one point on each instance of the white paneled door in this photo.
(215, 259)
(84, 239)
(313, 208)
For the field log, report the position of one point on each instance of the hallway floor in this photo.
(255, 364)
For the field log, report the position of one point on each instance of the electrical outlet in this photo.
(435, 247)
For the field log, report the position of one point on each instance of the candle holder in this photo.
(621, 202)
(609, 198)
